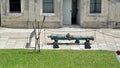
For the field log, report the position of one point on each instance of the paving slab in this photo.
(47, 47)
(94, 47)
(20, 45)
(75, 47)
(3, 42)
(105, 39)
(10, 46)
(2, 45)
(64, 46)
(82, 47)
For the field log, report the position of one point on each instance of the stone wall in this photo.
(0, 12)
(110, 16)
(30, 10)
(114, 14)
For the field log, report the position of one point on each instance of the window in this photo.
(95, 6)
(48, 6)
(15, 6)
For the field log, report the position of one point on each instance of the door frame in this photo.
(78, 20)
(66, 12)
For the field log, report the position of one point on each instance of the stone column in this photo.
(82, 12)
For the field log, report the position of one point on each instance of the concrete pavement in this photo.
(105, 39)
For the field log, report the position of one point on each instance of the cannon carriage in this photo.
(67, 36)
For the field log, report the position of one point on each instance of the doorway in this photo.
(74, 12)
(71, 12)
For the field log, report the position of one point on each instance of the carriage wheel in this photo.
(77, 42)
(55, 44)
(87, 44)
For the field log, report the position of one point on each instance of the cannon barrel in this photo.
(77, 39)
(69, 37)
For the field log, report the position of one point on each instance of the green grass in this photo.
(58, 59)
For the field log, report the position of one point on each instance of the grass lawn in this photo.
(58, 59)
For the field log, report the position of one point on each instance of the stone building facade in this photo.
(0, 12)
(85, 13)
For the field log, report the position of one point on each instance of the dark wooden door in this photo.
(74, 11)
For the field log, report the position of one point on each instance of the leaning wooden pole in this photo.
(38, 36)
(37, 31)
(40, 30)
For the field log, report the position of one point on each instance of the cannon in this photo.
(67, 36)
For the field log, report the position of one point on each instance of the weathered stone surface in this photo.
(29, 12)
(16, 38)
